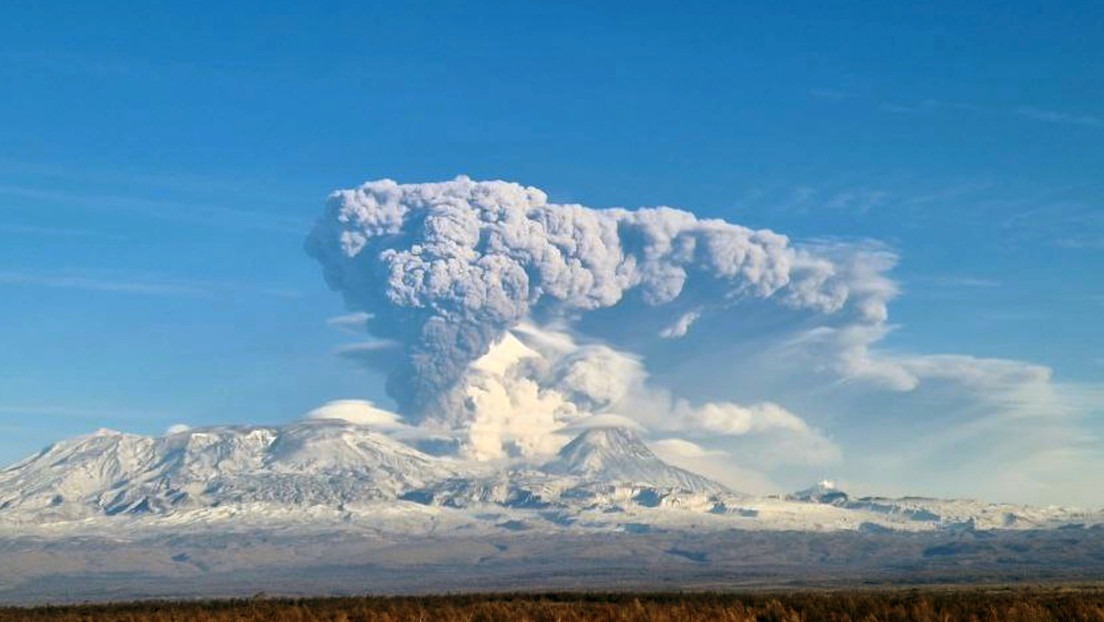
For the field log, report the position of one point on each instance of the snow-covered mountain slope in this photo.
(612, 454)
(327, 474)
(304, 464)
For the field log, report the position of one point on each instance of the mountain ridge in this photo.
(306, 473)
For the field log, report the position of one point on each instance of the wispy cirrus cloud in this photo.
(67, 412)
(1060, 222)
(115, 66)
(831, 94)
(930, 106)
(1063, 216)
(124, 283)
(198, 213)
(61, 62)
(961, 280)
(53, 232)
(861, 200)
(1081, 243)
(1055, 116)
(933, 105)
(54, 174)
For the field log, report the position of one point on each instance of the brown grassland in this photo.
(981, 604)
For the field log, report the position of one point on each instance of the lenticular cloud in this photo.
(445, 272)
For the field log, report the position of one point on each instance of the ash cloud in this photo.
(446, 269)
(505, 322)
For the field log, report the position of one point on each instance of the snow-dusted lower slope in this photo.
(322, 474)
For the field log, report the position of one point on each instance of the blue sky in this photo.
(160, 166)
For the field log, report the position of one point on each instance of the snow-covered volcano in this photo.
(305, 464)
(606, 479)
(617, 454)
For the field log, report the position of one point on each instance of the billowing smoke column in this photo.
(445, 269)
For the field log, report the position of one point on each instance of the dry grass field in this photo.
(981, 605)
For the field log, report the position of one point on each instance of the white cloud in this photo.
(358, 412)
(537, 386)
(735, 420)
(605, 420)
(682, 448)
(353, 323)
(917, 423)
(716, 464)
(681, 325)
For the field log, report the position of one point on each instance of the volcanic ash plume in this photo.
(445, 271)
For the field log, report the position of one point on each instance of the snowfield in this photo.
(329, 474)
